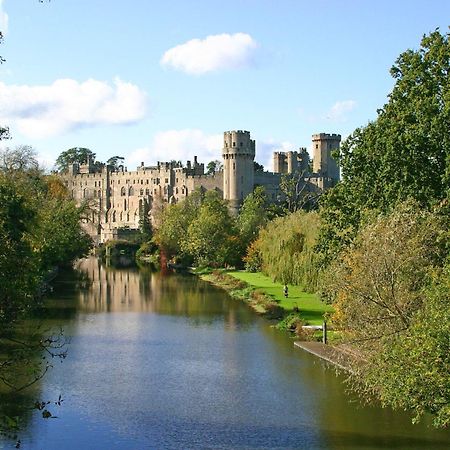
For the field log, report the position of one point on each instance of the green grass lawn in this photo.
(311, 308)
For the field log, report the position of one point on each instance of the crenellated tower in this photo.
(238, 168)
(324, 165)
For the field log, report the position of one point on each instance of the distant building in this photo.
(120, 197)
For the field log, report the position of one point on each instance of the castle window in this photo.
(114, 216)
(99, 193)
(141, 192)
(142, 181)
(176, 190)
(123, 191)
(131, 191)
(167, 180)
(234, 166)
(317, 145)
(146, 181)
(147, 192)
(234, 144)
(124, 205)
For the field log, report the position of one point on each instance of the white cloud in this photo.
(339, 110)
(4, 19)
(180, 145)
(216, 52)
(65, 105)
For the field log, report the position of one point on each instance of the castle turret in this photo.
(238, 168)
(324, 164)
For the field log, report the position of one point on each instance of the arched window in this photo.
(131, 191)
(123, 191)
(114, 216)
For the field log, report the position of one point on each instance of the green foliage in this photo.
(211, 236)
(78, 155)
(39, 229)
(171, 234)
(286, 248)
(115, 162)
(404, 154)
(385, 308)
(213, 166)
(252, 216)
(413, 369)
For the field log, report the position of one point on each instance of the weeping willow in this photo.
(286, 248)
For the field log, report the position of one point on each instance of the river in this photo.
(166, 361)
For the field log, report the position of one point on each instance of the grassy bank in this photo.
(267, 297)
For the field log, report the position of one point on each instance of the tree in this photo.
(252, 216)
(258, 167)
(116, 162)
(19, 159)
(213, 166)
(211, 236)
(78, 155)
(297, 193)
(404, 153)
(384, 308)
(416, 377)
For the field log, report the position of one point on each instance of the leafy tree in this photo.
(213, 167)
(252, 216)
(21, 158)
(297, 193)
(404, 154)
(78, 155)
(116, 162)
(385, 309)
(412, 371)
(258, 167)
(211, 236)
(174, 221)
(285, 249)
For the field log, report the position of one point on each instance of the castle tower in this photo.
(238, 169)
(323, 163)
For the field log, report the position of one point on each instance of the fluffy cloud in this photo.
(180, 145)
(216, 52)
(339, 110)
(65, 105)
(3, 19)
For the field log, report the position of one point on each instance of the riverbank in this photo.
(300, 308)
(266, 296)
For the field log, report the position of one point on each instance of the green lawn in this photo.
(311, 308)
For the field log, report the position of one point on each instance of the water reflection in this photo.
(171, 362)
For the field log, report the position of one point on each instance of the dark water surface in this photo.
(170, 362)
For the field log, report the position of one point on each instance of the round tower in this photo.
(238, 168)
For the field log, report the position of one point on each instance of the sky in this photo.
(161, 80)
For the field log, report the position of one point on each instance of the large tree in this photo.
(73, 155)
(386, 309)
(404, 153)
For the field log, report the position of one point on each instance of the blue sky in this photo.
(152, 80)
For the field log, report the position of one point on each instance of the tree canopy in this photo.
(404, 153)
(78, 155)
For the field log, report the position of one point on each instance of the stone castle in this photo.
(119, 197)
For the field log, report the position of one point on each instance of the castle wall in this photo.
(117, 197)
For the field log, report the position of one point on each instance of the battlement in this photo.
(326, 136)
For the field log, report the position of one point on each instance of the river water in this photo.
(165, 361)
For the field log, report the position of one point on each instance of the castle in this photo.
(120, 197)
